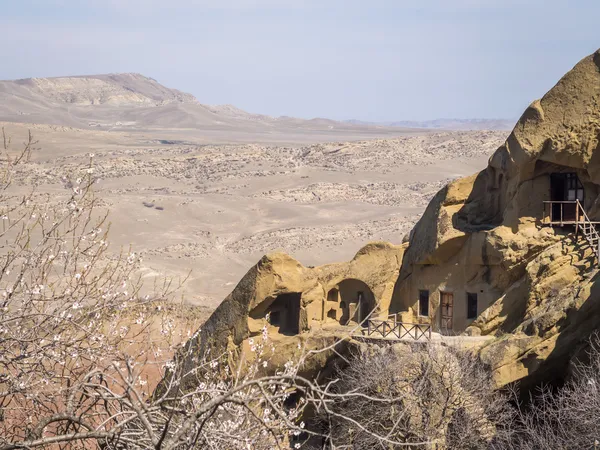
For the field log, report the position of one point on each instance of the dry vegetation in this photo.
(423, 395)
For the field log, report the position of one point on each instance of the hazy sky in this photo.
(365, 59)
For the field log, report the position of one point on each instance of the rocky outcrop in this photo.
(485, 234)
(296, 302)
(481, 260)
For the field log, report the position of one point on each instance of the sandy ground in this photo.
(213, 209)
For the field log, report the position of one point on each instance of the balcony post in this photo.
(576, 218)
(561, 213)
(544, 214)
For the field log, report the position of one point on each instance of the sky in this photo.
(372, 60)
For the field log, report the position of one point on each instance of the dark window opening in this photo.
(424, 303)
(565, 187)
(574, 187)
(333, 295)
(471, 306)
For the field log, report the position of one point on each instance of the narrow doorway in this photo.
(447, 311)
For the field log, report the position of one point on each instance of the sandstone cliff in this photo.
(486, 234)
(482, 260)
(303, 303)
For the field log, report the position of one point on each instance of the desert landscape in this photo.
(176, 275)
(267, 225)
(206, 191)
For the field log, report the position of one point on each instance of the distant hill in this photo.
(130, 101)
(447, 124)
(114, 89)
(126, 101)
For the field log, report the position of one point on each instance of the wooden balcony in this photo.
(561, 213)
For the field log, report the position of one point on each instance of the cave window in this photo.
(424, 303)
(333, 295)
(471, 305)
(332, 314)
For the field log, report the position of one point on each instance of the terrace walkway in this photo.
(391, 330)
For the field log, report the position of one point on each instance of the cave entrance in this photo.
(447, 312)
(565, 187)
(284, 313)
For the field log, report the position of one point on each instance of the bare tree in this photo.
(77, 343)
(428, 395)
(566, 417)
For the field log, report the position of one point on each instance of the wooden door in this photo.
(447, 311)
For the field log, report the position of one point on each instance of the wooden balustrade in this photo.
(400, 330)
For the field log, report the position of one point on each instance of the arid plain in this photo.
(209, 190)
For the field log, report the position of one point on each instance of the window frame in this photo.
(427, 293)
(471, 295)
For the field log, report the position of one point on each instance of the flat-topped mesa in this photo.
(486, 257)
(111, 89)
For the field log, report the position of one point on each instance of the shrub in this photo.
(566, 417)
(430, 396)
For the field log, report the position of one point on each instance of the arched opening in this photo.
(356, 301)
(333, 295)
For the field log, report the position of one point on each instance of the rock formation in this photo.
(482, 260)
(294, 301)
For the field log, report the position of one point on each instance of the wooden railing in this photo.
(574, 215)
(561, 213)
(400, 330)
(589, 231)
